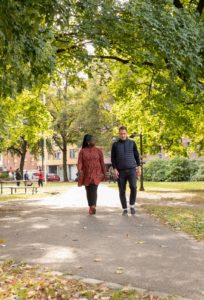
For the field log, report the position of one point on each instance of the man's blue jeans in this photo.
(128, 175)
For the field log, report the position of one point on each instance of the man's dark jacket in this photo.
(124, 155)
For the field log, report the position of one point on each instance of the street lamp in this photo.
(141, 161)
(44, 148)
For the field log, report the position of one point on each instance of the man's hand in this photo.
(116, 173)
(138, 171)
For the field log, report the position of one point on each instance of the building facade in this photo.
(10, 162)
(54, 162)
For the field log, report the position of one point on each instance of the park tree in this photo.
(159, 42)
(77, 110)
(161, 35)
(63, 108)
(157, 114)
(95, 113)
(26, 120)
(160, 46)
(26, 51)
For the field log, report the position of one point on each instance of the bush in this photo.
(177, 169)
(180, 169)
(4, 175)
(199, 175)
(155, 170)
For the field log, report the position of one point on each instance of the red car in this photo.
(53, 177)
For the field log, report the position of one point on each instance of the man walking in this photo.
(126, 164)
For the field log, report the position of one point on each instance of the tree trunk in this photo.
(23, 155)
(64, 151)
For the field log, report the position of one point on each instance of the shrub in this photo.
(155, 170)
(180, 169)
(4, 175)
(199, 175)
(177, 169)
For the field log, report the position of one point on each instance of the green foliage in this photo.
(4, 175)
(157, 82)
(155, 170)
(94, 115)
(25, 121)
(180, 169)
(177, 169)
(199, 175)
(189, 220)
(26, 51)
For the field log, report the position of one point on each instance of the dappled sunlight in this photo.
(39, 226)
(66, 238)
(76, 197)
(54, 254)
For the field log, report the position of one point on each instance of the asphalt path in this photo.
(58, 233)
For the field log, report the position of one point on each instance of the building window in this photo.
(73, 153)
(58, 155)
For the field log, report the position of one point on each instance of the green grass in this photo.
(49, 189)
(189, 220)
(153, 186)
(126, 295)
(174, 185)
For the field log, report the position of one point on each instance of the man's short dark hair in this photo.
(122, 128)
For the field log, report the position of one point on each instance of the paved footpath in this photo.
(57, 232)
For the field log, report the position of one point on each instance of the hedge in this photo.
(176, 169)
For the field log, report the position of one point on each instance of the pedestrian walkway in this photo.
(58, 233)
(76, 197)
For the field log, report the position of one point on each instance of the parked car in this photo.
(53, 177)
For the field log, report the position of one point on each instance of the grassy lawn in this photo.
(48, 190)
(189, 220)
(184, 186)
(21, 281)
(154, 186)
(193, 192)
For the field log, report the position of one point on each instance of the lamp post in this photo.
(141, 161)
(44, 149)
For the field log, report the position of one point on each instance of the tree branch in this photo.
(122, 60)
(178, 4)
(12, 148)
(200, 7)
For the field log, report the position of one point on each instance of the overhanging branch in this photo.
(200, 7)
(178, 4)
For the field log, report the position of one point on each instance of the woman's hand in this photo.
(103, 177)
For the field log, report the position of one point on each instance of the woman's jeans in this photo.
(128, 175)
(91, 193)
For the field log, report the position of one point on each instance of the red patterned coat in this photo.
(90, 166)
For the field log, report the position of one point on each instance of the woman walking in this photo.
(91, 170)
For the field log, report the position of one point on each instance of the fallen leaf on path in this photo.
(120, 268)
(119, 271)
(97, 259)
(2, 241)
(163, 246)
(140, 242)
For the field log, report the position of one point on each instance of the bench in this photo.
(27, 184)
(14, 188)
